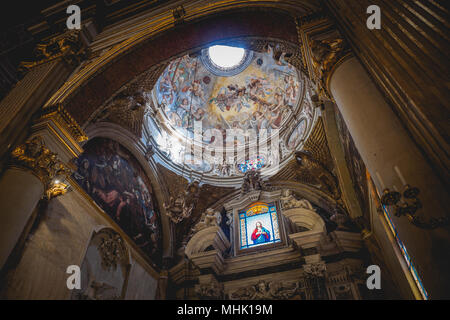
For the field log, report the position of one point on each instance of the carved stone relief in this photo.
(105, 268)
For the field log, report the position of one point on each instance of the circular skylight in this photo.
(226, 57)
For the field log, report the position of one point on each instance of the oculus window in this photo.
(259, 225)
(226, 57)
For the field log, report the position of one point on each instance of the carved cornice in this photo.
(67, 46)
(317, 145)
(35, 157)
(60, 115)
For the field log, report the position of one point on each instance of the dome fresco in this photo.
(258, 96)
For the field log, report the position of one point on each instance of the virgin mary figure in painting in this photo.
(260, 234)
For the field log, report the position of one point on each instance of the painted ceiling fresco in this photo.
(257, 98)
(260, 94)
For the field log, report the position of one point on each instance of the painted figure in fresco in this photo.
(255, 99)
(183, 111)
(113, 180)
(260, 234)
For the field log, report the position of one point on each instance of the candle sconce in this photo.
(407, 204)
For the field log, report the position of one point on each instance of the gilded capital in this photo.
(326, 56)
(67, 46)
(35, 157)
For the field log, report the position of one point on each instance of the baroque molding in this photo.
(288, 201)
(252, 182)
(56, 189)
(61, 116)
(112, 249)
(266, 290)
(209, 288)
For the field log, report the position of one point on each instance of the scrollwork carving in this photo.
(181, 207)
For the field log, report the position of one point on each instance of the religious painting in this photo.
(355, 165)
(259, 97)
(259, 225)
(297, 135)
(117, 183)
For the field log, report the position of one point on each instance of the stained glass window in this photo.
(259, 225)
(253, 164)
(405, 254)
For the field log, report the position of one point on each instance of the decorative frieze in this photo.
(209, 288)
(266, 290)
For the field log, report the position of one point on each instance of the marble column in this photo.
(33, 170)
(393, 159)
(37, 169)
(408, 59)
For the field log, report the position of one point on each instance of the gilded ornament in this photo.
(33, 155)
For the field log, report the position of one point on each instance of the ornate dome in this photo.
(239, 109)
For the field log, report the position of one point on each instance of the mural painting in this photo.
(117, 183)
